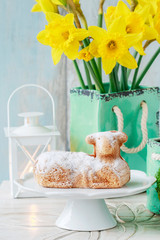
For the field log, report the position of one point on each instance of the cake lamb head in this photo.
(107, 144)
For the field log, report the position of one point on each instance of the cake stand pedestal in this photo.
(86, 215)
(86, 209)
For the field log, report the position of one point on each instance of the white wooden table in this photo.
(34, 218)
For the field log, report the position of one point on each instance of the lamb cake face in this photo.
(104, 169)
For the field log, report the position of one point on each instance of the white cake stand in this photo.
(86, 209)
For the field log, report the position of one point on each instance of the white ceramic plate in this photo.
(139, 183)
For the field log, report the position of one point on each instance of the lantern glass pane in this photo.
(26, 155)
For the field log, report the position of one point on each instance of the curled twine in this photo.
(119, 115)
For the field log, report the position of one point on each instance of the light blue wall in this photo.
(22, 60)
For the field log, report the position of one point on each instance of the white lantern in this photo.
(29, 140)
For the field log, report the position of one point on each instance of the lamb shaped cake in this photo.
(104, 169)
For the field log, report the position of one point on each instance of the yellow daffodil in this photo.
(112, 45)
(130, 1)
(45, 6)
(60, 2)
(63, 2)
(93, 48)
(135, 22)
(85, 54)
(152, 4)
(110, 15)
(36, 7)
(155, 23)
(62, 36)
(76, 1)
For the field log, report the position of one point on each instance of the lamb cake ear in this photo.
(90, 139)
(122, 138)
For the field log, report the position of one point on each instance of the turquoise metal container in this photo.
(153, 201)
(92, 112)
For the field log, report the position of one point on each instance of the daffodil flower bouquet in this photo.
(136, 27)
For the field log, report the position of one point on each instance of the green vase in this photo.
(92, 112)
(153, 201)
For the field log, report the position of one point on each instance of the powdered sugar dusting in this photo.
(77, 162)
(109, 135)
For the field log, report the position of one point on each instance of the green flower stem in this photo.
(93, 62)
(87, 71)
(90, 86)
(96, 70)
(117, 67)
(100, 19)
(124, 80)
(99, 60)
(136, 72)
(129, 70)
(99, 65)
(115, 74)
(100, 22)
(147, 68)
(86, 42)
(79, 74)
(113, 87)
(98, 84)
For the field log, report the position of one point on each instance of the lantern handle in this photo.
(29, 85)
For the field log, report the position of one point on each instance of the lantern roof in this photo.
(31, 126)
(11, 132)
